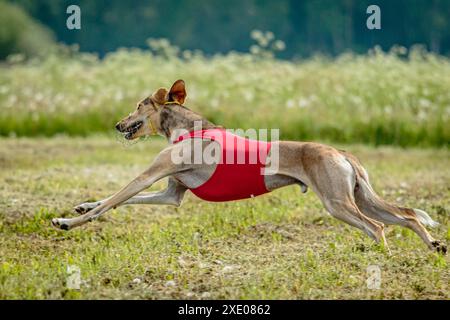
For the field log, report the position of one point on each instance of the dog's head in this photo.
(145, 119)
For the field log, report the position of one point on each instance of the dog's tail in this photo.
(377, 208)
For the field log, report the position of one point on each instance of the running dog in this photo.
(336, 176)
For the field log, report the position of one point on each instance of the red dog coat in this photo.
(239, 174)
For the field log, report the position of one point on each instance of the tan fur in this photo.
(336, 176)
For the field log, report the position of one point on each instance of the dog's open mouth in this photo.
(131, 130)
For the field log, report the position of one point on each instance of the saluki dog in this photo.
(336, 176)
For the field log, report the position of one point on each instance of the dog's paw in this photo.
(85, 207)
(60, 224)
(439, 246)
(81, 209)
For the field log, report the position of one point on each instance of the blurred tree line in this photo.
(19, 33)
(307, 27)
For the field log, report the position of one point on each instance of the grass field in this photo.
(281, 245)
(57, 150)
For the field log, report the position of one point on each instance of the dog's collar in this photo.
(153, 130)
(173, 102)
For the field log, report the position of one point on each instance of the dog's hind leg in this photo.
(172, 195)
(333, 180)
(347, 211)
(376, 208)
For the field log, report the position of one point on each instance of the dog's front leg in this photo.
(162, 167)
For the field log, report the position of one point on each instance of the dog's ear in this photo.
(178, 92)
(160, 96)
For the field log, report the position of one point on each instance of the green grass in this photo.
(377, 99)
(281, 245)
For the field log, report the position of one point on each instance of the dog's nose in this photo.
(118, 126)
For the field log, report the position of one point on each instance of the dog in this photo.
(336, 176)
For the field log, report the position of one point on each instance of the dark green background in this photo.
(307, 27)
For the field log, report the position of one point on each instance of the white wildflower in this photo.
(170, 283)
(279, 45)
(269, 35)
(119, 96)
(228, 269)
(256, 34)
(206, 295)
(303, 103)
(388, 109)
(254, 49)
(290, 103)
(424, 103)
(249, 96)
